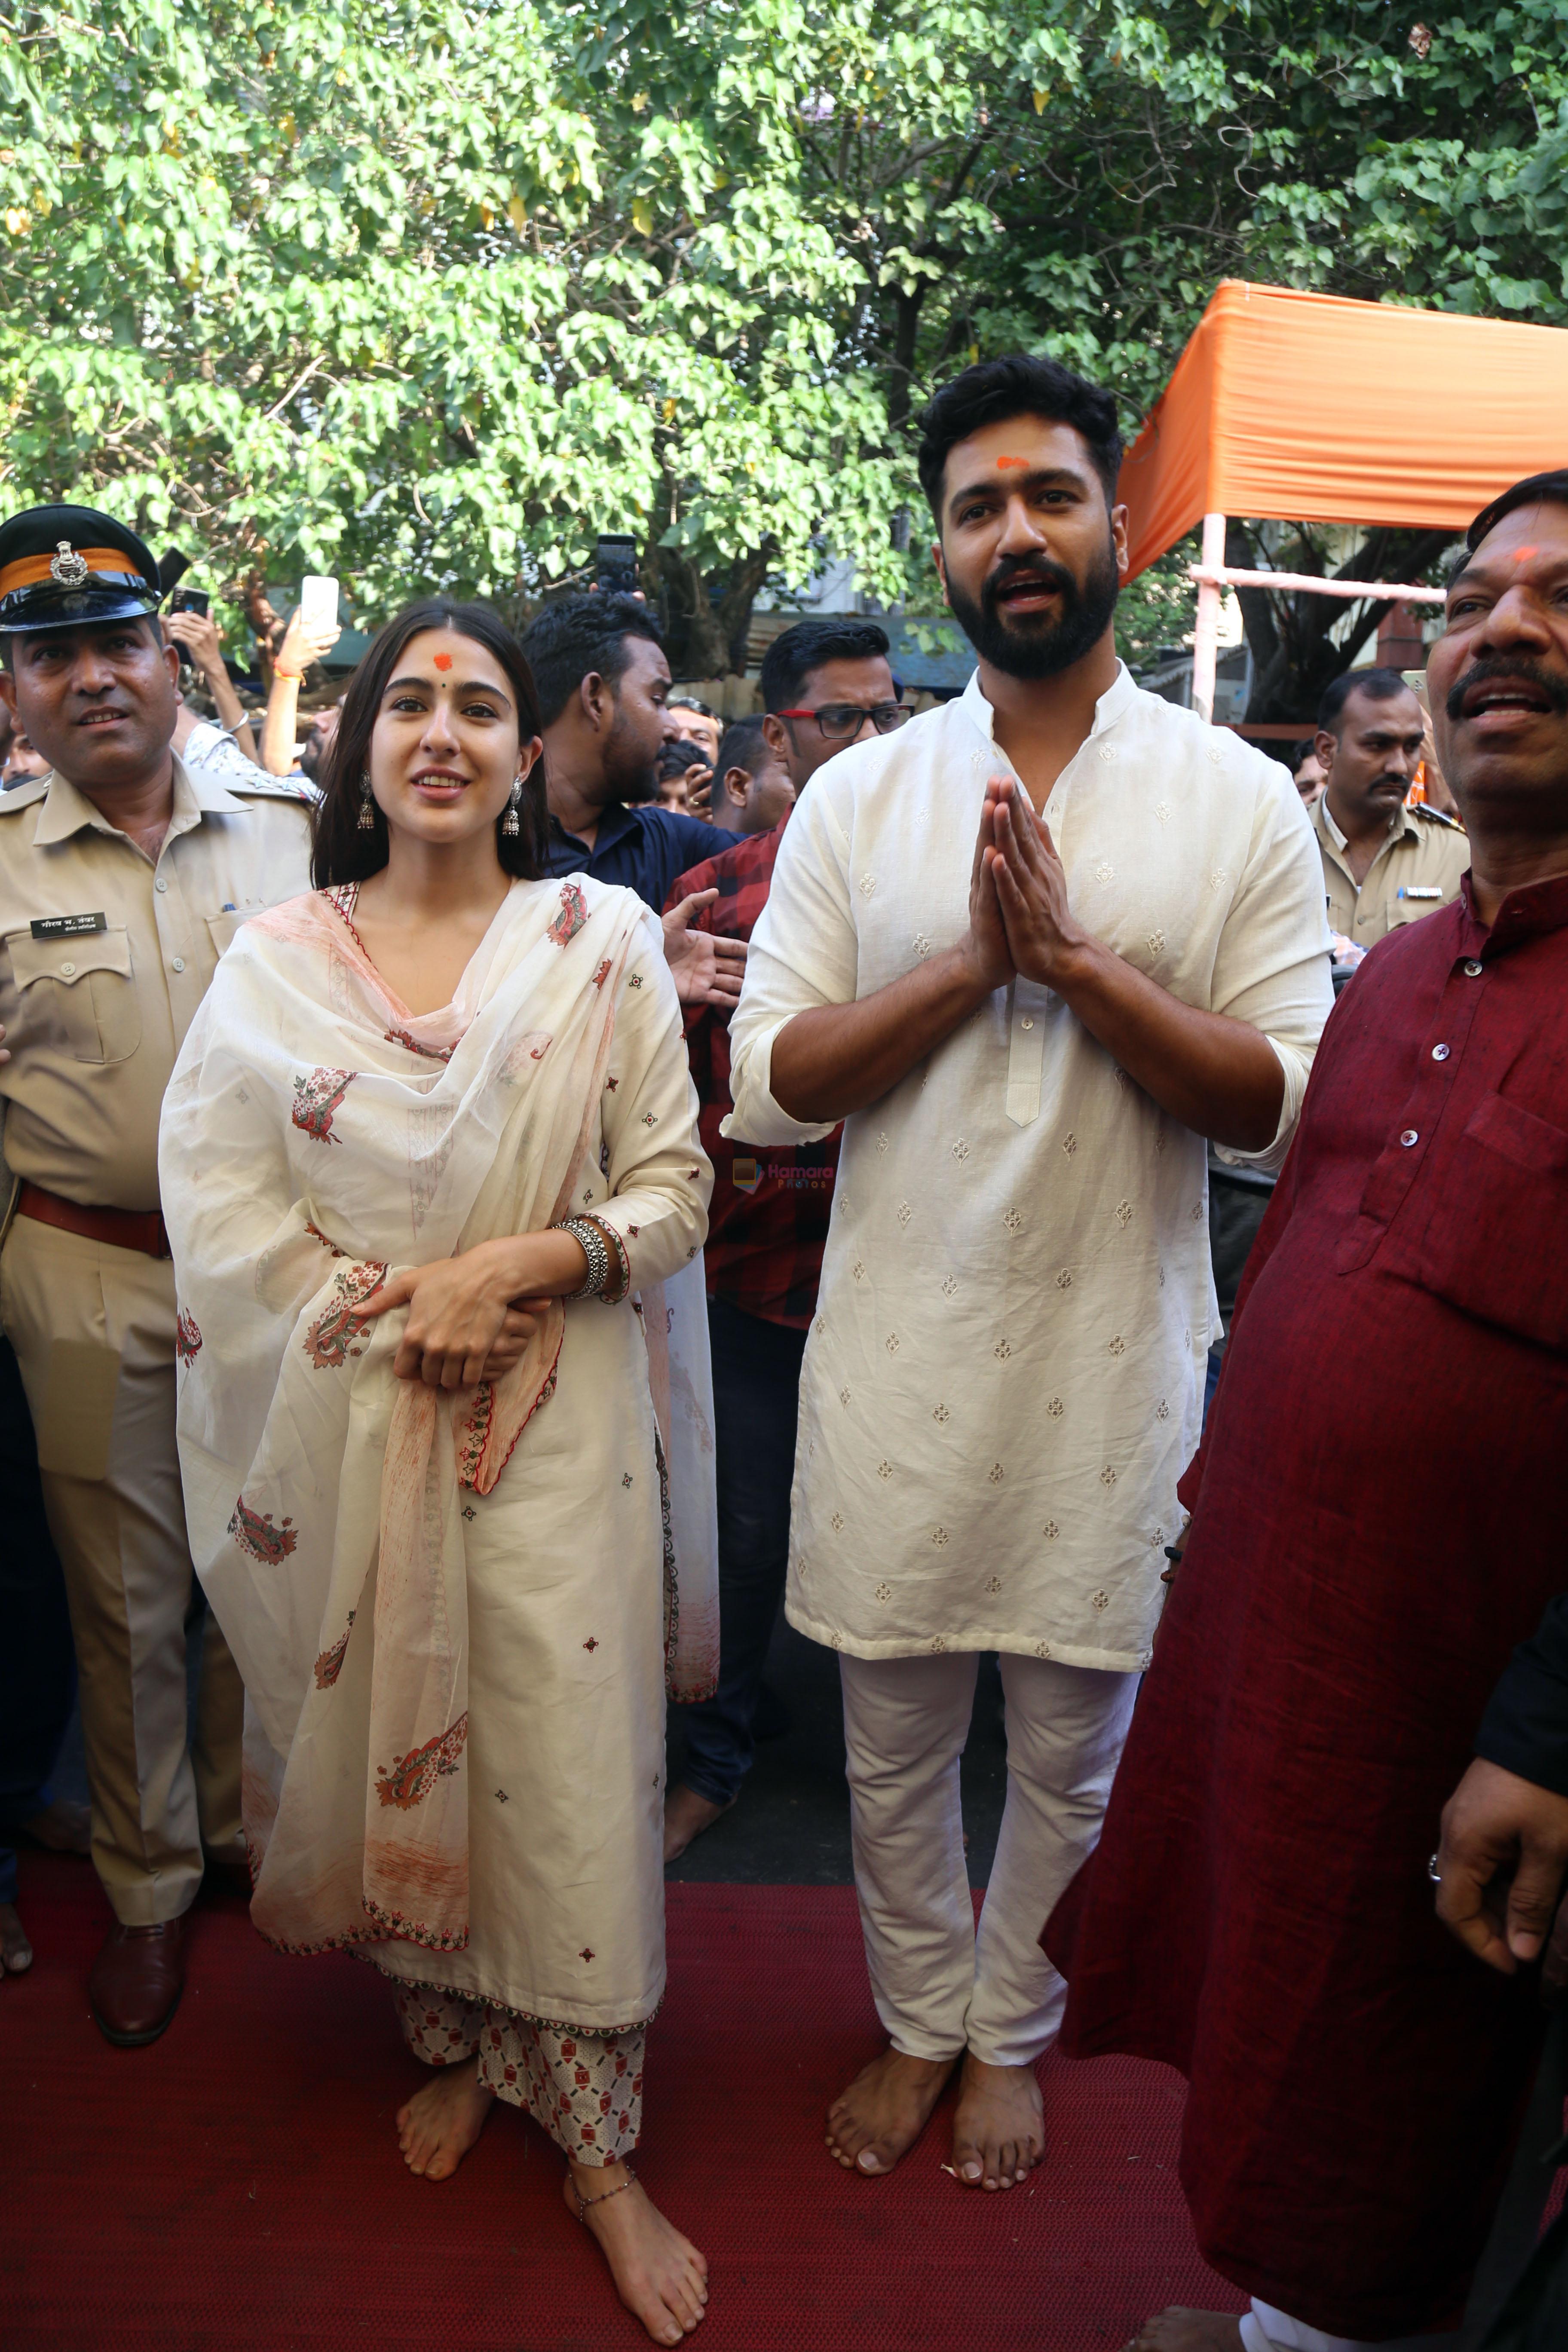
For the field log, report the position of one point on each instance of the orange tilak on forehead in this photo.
(1022, 463)
(1523, 555)
(443, 661)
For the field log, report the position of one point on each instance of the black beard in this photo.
(1042, 645)
(634, 785)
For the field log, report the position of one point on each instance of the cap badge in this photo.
(69, 568)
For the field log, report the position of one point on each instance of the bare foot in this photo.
(999, 2127)
(883, 2113)
(63, 1827)
(1179, 2330)
(439, 2125)
(685, 1816)
(659, 2275)
(16, 1951)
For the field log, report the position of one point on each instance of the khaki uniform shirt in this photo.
(1416, 870)
(105, 956)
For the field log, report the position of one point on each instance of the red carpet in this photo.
(238, 2184)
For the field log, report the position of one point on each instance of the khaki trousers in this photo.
(93, 1328)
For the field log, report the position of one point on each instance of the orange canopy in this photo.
(1307, 408)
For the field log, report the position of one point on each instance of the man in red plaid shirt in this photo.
(825, 685)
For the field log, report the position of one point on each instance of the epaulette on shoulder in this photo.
(1437, 817)
(261, 786)
(23, 796)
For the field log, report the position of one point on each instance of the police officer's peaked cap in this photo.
(68, 567)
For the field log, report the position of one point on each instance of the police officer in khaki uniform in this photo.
(1383, 863)
(123, 879)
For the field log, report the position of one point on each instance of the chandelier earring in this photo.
(366, 804)
(508, 823)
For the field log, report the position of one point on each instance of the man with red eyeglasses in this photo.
(827, 684)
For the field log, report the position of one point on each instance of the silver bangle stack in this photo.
(587, 1232)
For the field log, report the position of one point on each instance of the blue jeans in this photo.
(756, 1393)
(38, 1661)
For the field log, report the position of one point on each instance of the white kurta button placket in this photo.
(1026, 1050)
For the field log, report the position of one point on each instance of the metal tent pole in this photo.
(1206, 635)
(1213, 575)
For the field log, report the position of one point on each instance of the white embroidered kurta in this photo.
(448, 1610)
(1005, 1377)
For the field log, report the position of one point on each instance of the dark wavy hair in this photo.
(576, 636)
(339, 850)
(993, 392)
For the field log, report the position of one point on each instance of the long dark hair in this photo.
(343, 851)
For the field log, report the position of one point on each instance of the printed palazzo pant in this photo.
(584, 2089)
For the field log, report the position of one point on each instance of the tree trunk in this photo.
(705, 639)
(692, 636)
(900, 374)
(735, 606)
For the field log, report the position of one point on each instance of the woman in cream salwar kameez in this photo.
(435, 1195)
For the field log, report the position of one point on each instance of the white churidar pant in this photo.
(939, 1986)
(1264, 2329)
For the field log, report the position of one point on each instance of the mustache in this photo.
(1027, 567)
(1503, 670)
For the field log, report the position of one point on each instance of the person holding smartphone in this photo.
(206, 742)
(312, 631)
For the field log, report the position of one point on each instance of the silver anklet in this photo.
(604, 2198)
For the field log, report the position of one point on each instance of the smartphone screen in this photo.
(616, 563)
(318, 600)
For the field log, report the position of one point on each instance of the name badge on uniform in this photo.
(67, 927)
(1419, 890)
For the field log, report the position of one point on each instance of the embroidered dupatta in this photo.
(314, 1134)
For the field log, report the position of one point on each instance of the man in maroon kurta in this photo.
(1258, 1913)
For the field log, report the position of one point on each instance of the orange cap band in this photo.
(33, 569)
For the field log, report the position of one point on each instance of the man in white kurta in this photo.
(1005, 1377)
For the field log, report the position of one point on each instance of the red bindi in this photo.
(443, 661)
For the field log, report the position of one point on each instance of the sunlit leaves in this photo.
(422, 292)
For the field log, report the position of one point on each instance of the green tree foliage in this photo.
(428, 294)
